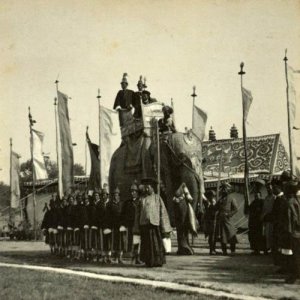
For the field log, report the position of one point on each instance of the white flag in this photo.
(199, 122)
(110, 137)
(38, 158)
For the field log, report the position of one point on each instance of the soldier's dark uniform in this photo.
(128, 216)
(113, 222)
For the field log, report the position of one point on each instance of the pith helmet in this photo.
(134, 186)
(116, 191)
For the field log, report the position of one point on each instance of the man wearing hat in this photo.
(141, 97)
(103, 240)
(210, 221)
(166, 123)
(266, 217)
(128, 218)
(227, 208)
(124, 98)
(294, 221)
(152, 222)
(114, 225)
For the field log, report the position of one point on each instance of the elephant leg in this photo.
(184, 247)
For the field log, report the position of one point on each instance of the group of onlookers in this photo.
(274, 224)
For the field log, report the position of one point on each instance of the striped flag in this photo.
(38, 158)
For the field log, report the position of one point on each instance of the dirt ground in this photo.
(241, 273)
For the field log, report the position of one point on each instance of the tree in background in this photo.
(52, 170)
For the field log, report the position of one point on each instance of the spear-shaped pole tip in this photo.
(194, 92)
(285, 56)
(242, 67)
(98, 96)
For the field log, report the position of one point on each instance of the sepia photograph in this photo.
(150, 149)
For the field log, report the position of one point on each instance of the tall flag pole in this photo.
(247, 99)
(99, 116)
(194, 95)
(288, 114)
(158, 158)
(31, 123)
(58, 150)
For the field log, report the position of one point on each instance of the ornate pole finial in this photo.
(242, 71)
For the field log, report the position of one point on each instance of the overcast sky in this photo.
(175, 44)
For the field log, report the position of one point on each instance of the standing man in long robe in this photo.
(267, 217)
(294, 221)
(227, 208)
(255, 225)
(152, 223)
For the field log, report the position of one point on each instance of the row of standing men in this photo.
(100, 227)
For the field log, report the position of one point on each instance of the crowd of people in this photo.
(274, 224)
(99, 227)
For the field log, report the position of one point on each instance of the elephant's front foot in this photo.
(186, 250)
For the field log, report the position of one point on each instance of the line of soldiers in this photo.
(93, 227)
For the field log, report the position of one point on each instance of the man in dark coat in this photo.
(49, 226)
(124, 98)
(227, 208)
(210, 221)
(128, 220)
(294, 222)
(103, 241)
(114, 225)
(279, 203)
(255, 225)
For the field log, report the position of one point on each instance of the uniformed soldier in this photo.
(128, 220)
(76, 224)
(104, 233)
(49, 226)
(114, 224)
(70, 229)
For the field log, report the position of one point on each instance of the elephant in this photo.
(180, 162)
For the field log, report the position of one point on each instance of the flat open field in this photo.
(239, 274)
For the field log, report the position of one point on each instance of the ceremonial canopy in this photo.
(266, 155)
